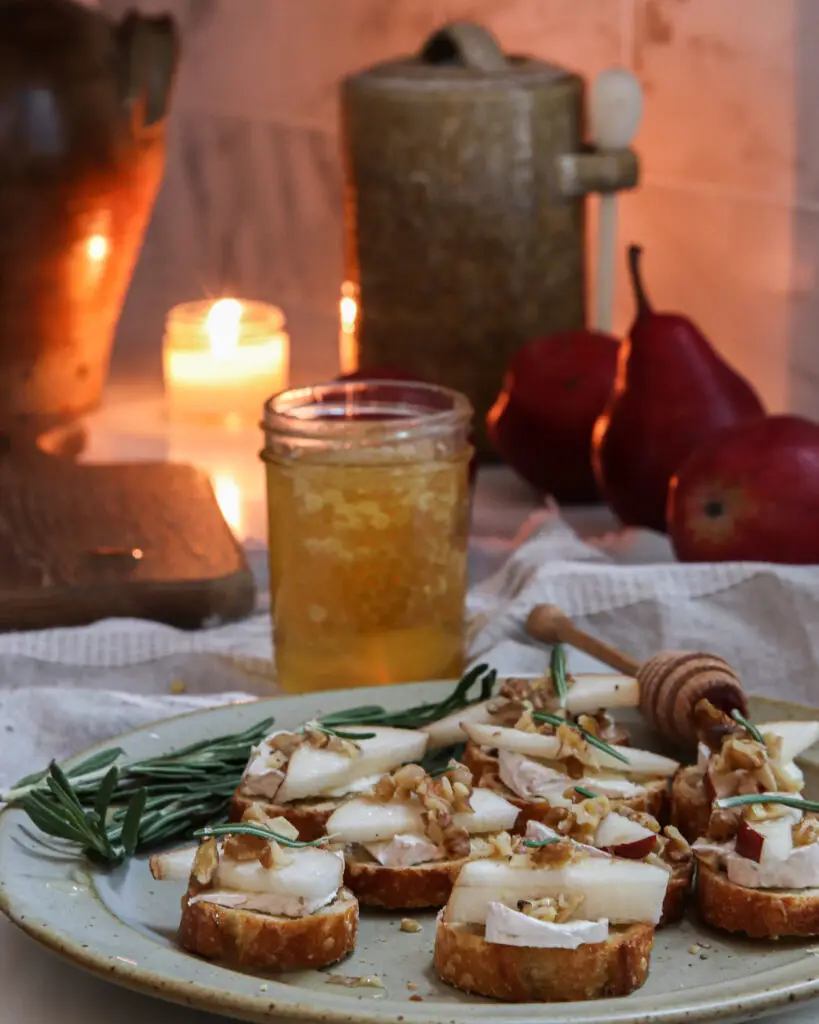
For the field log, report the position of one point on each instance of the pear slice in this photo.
(624, 837)
(796, 737)
(621, 891)
(447, 731)
(311, 873)
(490, 813)
(363, 820)
(768, 840)
(173, 865)
(547, 748)
(315, 772)
(590, 692)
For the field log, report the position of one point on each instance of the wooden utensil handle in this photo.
(551, 625)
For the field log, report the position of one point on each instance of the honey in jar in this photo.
(368, 507)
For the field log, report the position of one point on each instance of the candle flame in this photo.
(229, 500)
(348, 307)
(222, 327)
(97, 248)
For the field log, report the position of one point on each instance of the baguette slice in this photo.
(690, 806)
(759, 913)
(524, 974)
(251, 939)
(679, 885)
(653, 801)
(307, 816)
(411, 888)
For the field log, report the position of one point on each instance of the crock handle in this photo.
(466, 43)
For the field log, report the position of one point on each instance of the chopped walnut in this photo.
(674, 846)
(712, 725)
(588, 723)
(724, 823)
(806, 831)
(573, 746)
(287, 742)
(554, 909)
(553, 855)
(206, 861)
(739, 752)
(641, 817)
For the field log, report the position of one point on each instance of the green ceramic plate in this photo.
(120, 925)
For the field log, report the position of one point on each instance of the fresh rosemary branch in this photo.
(260, 832)
(595, 741)
(421, 714)
(786, 799)
(111, 810)
(557, 671)
(749, 727)
(536, 843)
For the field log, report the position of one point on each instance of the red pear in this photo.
(750, 494)
(541, 423)
(672, 392)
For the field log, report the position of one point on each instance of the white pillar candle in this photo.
(222, 360)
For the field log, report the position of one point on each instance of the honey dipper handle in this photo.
(550, 625)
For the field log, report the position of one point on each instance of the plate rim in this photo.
(787, 991)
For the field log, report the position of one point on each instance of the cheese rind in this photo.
(511, 928)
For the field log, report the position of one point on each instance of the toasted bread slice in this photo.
(252, 939)
(524, 974)
(679, 885)
(422, 885)
(690, 805)
(307, 816)
(653, 801)
(759, 913)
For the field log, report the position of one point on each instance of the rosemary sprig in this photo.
(786, 799)
(749, 727)
(587, 793)
(589, 737)
(260, 832)
(111, 810)
(557, 672)
(535, 844)
(421, 714)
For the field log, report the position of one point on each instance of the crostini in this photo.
(736, 757)
(589, 694)
(543, 756)
(758, 866)
(257, 897)
(550, 922)
(406, 841)
(633, 835)
(302, 775)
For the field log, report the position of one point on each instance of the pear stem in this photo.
(634, 254)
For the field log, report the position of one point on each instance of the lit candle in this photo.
(223, 359)
(347, 342)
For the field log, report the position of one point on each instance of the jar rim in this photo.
(389, 411)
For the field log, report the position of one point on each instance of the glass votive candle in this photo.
(368, 512)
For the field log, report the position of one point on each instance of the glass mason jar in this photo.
(368, 512)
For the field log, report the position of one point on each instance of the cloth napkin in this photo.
(61, 690)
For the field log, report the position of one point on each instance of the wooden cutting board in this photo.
(84, 542)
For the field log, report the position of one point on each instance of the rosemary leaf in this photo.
(260, 832)
(535, 844)
(557, 671)
(103, 796)
(97, 762)
(330, 731)
(749, 727)
(129, 836)
(590, 738)
(587, 793)
(785, 799)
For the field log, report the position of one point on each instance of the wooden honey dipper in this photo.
(671, 683)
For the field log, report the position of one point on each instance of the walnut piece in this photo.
(206, 862)
(554, 909)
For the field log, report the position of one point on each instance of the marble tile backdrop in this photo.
(728, 211)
